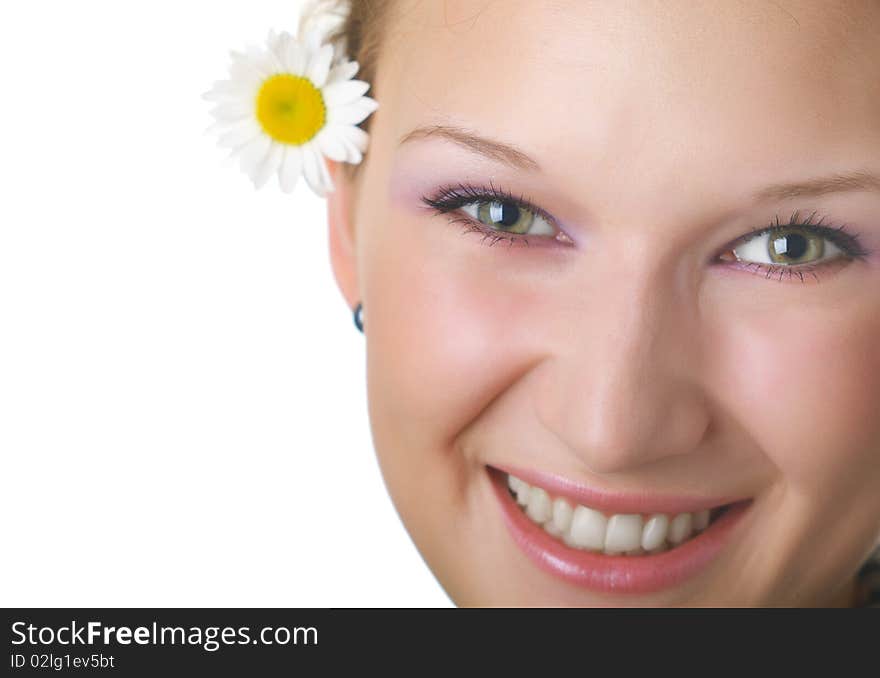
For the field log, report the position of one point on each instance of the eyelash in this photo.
(452, 197)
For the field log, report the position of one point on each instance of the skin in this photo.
(625, 360)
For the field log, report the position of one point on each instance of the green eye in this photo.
(507, 217)
(787, 247)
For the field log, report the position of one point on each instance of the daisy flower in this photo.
(286, 106)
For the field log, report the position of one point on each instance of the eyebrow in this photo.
(499, 151)
(860, 180)
(490, 148)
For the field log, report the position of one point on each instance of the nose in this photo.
(623, 389)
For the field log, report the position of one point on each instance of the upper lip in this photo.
(612, 502)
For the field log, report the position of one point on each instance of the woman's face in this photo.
(638, 362)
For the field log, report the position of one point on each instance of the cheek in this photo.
(807, 387)
(436, 357)
(439, 341)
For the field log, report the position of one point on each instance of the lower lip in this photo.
(615, 574)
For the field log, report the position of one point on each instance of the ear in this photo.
(340, 211)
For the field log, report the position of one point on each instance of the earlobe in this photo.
(340, 214)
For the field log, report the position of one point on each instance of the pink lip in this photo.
(615, 574)
(616, 502)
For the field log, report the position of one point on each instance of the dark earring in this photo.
(359, 317)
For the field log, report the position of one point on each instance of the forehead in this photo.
(568, 80)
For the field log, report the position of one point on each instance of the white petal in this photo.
(315, 170)
(279, 48)
(230, 91)
(233, 111)
(319, 65)
(355, 143)
(234, 152)
(216, 127)
(341, 72)
(353, 113)
(295, 58)
(355, 135)
(268, 166)
(221, 89)
(268, 65)
(354, 153)
(256, 60)
(271, 38)
(291, 168)
(244, 92)
(340, 53)
(239, 135)
(251, 52)
(311, 36)
(345, 92)
(311, 173)
(273, 62)
(278, 41)
(253, 154)
(326, 179)
(331, 145)
(275, 51)
(247, 70)
(263, 62)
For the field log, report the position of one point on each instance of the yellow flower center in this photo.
(290, 108)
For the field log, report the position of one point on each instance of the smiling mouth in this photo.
(589, 529)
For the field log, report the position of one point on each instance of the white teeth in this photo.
(522, 494)
(680, 528)
(562, 513)
(538, 508)
(624, 533)
(514, 483)
(585, 528)
(550, 528)
(655, 531)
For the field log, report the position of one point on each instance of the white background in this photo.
(183, 417)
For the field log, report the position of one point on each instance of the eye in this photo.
(786, 246)
(497, 214)
(795, 248)
(508, 217)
